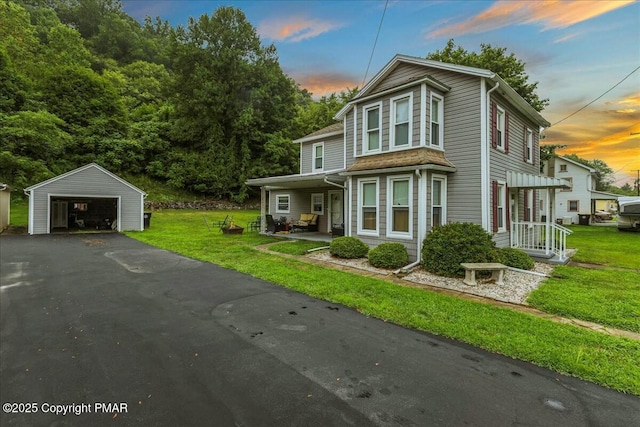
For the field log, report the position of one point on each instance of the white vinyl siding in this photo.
(372, 136)
(437, 119)
(401, 121)
(368, 206)
(400, 207)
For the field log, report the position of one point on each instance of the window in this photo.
(500, 207)
(399, 206)
(400, 128)
(500, 129)
(563, 168)
(317, 203)
(318, 156)
(368, 206)
(573, 205)
(282, 203)
(438, 200)
(528, 154)
(373, 129)
(436, 121)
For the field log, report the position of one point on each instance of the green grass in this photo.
(605, 245)
(19, 213)
(299, 247)
(593, 356)
(608, 296)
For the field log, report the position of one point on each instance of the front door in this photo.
(335, 209)
(59, 214)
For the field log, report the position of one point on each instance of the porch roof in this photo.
(419, 158)
(316, 180)
(603, 195)
(527, 180)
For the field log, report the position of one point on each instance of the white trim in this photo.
(365, 133)
(423, 115)
(392, 121)
(407, 235)
(529, 145)
(502, 187)
(443, 197)
(314, 169)
(422, 212)
(359, 196)
(344, 144)
(355, 133)
(318, 136)
(31, 212)
(440, 100)
(288, 196)
(349, 211)
(321, 211)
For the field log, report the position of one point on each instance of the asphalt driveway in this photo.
(104, 330)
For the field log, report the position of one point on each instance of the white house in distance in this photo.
(581, 198)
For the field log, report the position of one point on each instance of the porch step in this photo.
(541, 256)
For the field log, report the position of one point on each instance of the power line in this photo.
(610, 89)
(375, 42)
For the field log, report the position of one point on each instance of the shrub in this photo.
(348, 247)
(389, 255)
(516, 258)
(449, 245)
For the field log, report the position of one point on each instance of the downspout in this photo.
(335, 184)
(485, 157)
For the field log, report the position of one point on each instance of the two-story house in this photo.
(424, 143)
(581, 200)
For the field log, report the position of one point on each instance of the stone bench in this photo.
(497, 271)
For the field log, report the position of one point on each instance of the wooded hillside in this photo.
(201, 107)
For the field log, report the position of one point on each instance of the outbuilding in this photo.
(89, 197)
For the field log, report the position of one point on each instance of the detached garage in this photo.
(89, 197)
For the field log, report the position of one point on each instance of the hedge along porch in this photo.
(87, 197)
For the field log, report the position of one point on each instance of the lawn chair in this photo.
(223, 224)
(254, 225)
(272, 225)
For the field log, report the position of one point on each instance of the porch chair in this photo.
(307, 222)
(273, 226)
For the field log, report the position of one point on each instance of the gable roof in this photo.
(80, 169)
(591, 170)
(504, 89)
(331, 130)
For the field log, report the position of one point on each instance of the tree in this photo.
(510, 68)
(314, 115)
(231, 97)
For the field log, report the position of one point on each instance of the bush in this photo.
(348, 247)
(516, 258)
(449, 245)
(389, 255)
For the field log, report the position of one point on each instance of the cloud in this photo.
(295, 29)
(551, 14)
(325, 83)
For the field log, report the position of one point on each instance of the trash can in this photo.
(147, 219)
(583, 219)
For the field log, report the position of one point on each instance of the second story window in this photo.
(528, 145)
(318, 156)
(500, 129)
(372, 128)
(401, 121)
(436, 121)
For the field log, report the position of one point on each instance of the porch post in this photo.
(263, 210)
(551, 195)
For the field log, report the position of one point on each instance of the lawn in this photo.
(593, 356)
(609, 295)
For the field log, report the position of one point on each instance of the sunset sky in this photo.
(576, 50)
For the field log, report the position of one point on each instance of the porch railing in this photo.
(540, 236)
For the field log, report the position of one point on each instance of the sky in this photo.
(585, 55)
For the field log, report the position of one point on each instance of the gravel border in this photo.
(517, 284)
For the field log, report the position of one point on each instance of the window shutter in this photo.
(526, 205)
(524, 143)
(494, 203)
(536, 143)
(507, 207)
(506, 132)
(494, 121)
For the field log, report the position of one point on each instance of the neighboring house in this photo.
(87, 197)
(5, 206)
(581, 198)
(423, 144)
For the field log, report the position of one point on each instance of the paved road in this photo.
(92, 320)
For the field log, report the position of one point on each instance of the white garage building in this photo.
(89, 197)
